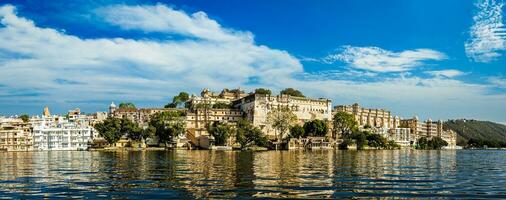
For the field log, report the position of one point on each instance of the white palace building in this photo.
(57, 133)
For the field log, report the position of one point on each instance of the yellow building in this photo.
(378, 118)
(15, 135)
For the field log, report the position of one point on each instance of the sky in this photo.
(428, 58)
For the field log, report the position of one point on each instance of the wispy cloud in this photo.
(498, 82)
(449, 73)
(488, 34)
(380, 60)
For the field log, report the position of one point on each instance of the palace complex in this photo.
(404, 132)
(75, 131)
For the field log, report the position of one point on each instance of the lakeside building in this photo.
(378, 118)
(15, 135)
(404, 132)
(61, 133)
(256, 108)
(429, 129)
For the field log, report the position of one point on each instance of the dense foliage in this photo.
(281, 119)
(366, 138)
(344, 124)
(263, 91)
(247, 135)
(221, 132)
(315, 128)
(434, 143)
(292, 92)
(296, 131)
(168, 125)
(476, 133)
(126, 105)
(24, 117)
(178, 100)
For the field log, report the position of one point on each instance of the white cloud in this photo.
(449, 73)
(488, 34)
(117, 68)
(498, 82)
(160, 18)
(380, 60)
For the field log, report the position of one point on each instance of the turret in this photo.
(112, 108)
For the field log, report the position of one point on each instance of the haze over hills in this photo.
(478, 130)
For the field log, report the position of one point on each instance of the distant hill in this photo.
(477, 130)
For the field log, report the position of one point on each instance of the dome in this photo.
(112, 105)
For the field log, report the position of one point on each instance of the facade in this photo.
(401, 136)
(59, 133)
(372, 117)
(257, 106)
(198, 119)
(226, 96)
(429, 129)
(15, 135)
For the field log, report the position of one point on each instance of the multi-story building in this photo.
(429, 129)
(256, 108)
(15, 135)
(59, 133)
(197, 121)
(61, 136)
(372, 117)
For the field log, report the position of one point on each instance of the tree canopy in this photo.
(247, 135)
(168, 125)
(178, 100)
(110, 129)
(263, 91)
(24, 117)
(221, 132)
(316, 128)
(292, 92)
(433, 143)
(297, 131)
(344, 124)
(126, 105)
(281, 119)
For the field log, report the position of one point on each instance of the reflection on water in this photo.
(270, 174)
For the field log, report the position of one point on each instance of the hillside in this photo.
(477, 130)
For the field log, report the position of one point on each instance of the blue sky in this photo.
(437, 59)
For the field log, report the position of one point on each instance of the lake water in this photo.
(271, 174)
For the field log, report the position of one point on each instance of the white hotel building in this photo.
(56, 133)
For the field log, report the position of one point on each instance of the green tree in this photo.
(281, 119)
(316, 128)
(126, 105)
(246, 135)
(24, 117)
(377, 141)
(438, 143)
(263, 91)
(178, 100)
(221, 132)
(422, 143)
(168, 125)
(344, 124)
(297, 131)
(134, 131)
(360, 138)
(110, 129)
(292, 92)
